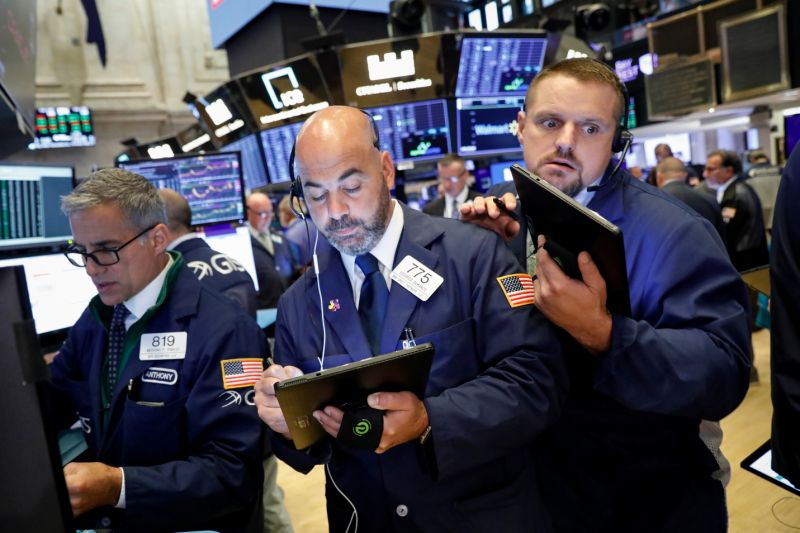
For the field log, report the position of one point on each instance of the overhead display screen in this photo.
(499, 66)
(285, 93)
(212, 184)
(62, 127)
(488, 125)
(194, 139)
(413, 132)
(278, 143)
(222, 114)
(392, 71)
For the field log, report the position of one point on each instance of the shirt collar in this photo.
(183, 238)
(585, 196)
(723, 188)
(139, 303)
(460, 197)
(386, 248)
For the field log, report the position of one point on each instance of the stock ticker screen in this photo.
(499, 66)
(413, 132)
(488, 125)
(60, 127)
(255, 173)
(278, 143)
(212, 184)
(30, 205)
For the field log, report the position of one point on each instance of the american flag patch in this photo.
(241, 372)
(518, 289)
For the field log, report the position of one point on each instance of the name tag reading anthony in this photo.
(416, 278)
(161, 346)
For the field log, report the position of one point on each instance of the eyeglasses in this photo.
(262, 214)
(102, 257)
(452, 179)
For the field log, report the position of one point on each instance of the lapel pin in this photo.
(333, 305)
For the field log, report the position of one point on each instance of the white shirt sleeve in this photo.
(121, 501)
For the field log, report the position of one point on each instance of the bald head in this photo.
(179, 214)
(259, 211)
(346, 178)
(670, 169)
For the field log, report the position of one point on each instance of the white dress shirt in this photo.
(460, 198)
(384, 252)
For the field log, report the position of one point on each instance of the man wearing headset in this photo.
(457, 460)
(627, 453)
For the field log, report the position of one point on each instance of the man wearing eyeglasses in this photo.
(159, 371)
(453, 176)
(275, 267)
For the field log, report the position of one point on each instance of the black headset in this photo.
(622, 135)
(296, 188)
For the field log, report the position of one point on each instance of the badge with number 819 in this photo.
(416, 278)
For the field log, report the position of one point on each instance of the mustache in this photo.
(343, 223)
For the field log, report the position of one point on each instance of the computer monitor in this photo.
(211, 183)
(63, 127)
(278, 143)
(499, 64)
(58, 290)
(30, 205)
(35, 496)
(488, 125)
(418, 131)
(255, 172)
(501, 171)
(223, 114)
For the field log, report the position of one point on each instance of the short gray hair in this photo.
(136, 197)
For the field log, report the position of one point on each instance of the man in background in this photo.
(671, 178)
(215, 270)
(453, 177)
(275, 267)
(745, 235)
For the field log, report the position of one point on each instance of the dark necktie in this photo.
(372, 301)
(116, 336)
(454, 209)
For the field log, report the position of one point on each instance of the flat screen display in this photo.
(194, 139)
(212, 184)
(499, 66)
(501, 172)
(278, 143)
(63, 127)
(58, 290)
(392, 71)
(223, 115)
(285, 93)
(488, 125)
(30, 205)
(255, 173)
(413, 132)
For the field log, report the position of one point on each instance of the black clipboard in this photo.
(760, 463)
(403, 370)
(571, 228)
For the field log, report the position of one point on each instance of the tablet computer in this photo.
(758, 279)
(571, 228)
(760, 463)
(403, 370)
